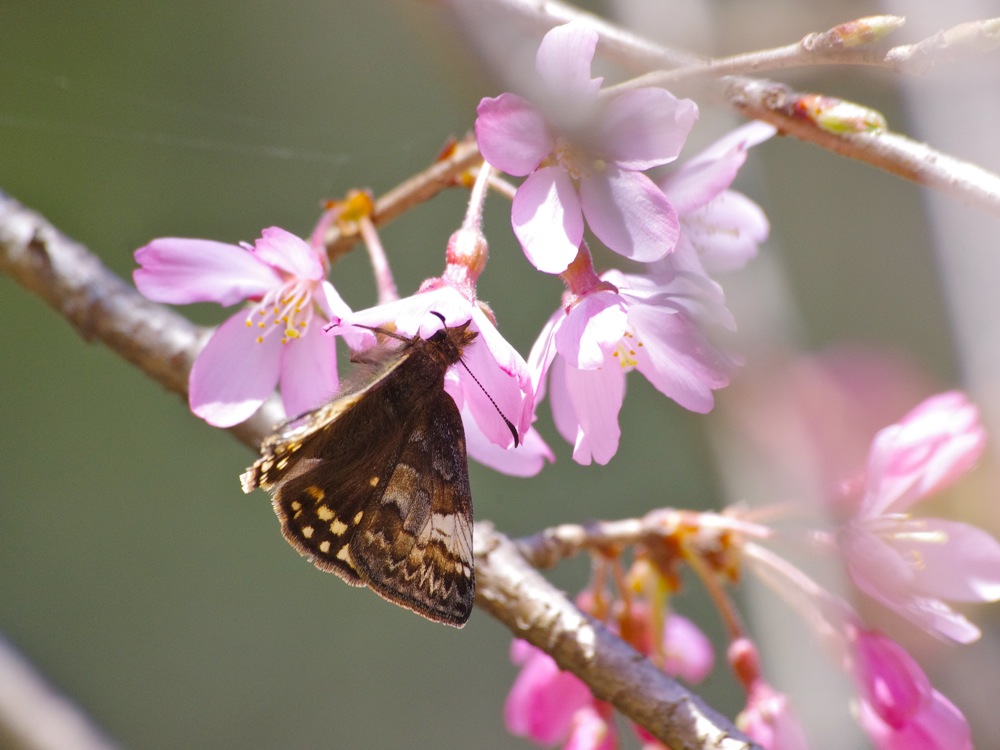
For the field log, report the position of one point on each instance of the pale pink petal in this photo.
(707, 175)
(929, 448)
(233, 374)
(512, 134)
(547, 219)
(629, 214)
(952, 560)
(585, 406)
(677, 358)
(592, 330)
(180, 271)
(644, 128)
(563, 61)
(880, 572)
(527, 460)
(291, 254)
(542, 353)
(308, 371)
(543, 700)
(726, 232)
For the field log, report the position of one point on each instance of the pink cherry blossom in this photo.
(719, 226)
(493, 385)
(583, 155)
(275, 341)
(911, 564)
(629, 322)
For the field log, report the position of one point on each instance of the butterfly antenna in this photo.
(510, 425)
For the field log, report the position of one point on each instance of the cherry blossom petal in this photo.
(592, 330)
(291, 254)
(938, 726)
(884, 575)
(888, 678)
(726, 232)
(233, 374)
(646, 127)
(563, 61)
(180, 271)
(543, 351)
(543, 700)
(547, 219)
(629, 214)
(929, 448)
(527, 460)
(953, 560)
(308, 371)
(585, 409)
(677, 358)
(512, 134)
(709, 173)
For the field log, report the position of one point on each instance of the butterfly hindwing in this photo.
(415, 546)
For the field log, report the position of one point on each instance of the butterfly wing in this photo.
(414, 547)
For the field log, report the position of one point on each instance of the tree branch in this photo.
(163, 345)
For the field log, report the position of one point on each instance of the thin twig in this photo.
(36, 716)
(163, 345)
(412, 192)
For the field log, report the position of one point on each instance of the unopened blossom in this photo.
(898, 707)
(583, 155)
(492, 390)
(720, 227)
(628, 322)
(276, 340)
(912, 564)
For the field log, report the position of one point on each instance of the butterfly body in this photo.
(374, 486)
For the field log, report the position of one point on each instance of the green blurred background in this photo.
(133, 571)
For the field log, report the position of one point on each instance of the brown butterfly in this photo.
(374, 486)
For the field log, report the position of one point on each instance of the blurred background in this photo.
(138, 577)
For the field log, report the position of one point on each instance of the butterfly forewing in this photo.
(374, 486)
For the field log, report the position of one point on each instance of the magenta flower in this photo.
(628, 322)
(551, 706)
(504, 387)
(689, 653)
(911, 564)
(719, 226)
(898, 707)
(583, 156)
(275, 341)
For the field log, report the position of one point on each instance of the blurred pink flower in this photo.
(628, 322)
(911, 564)
(551, 706)
(583, 156)
(689, 653)
(274, 341)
